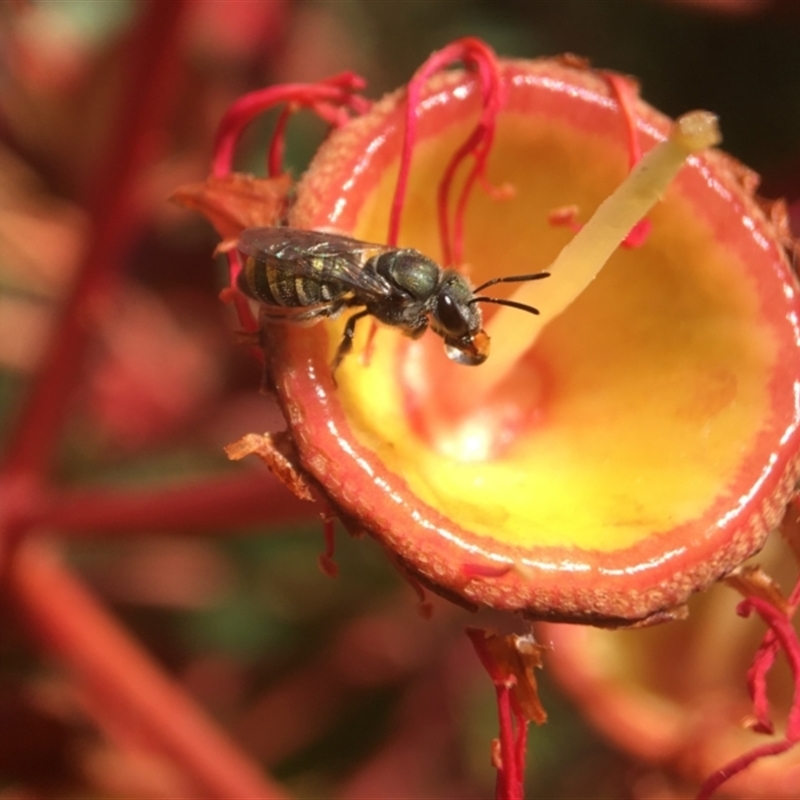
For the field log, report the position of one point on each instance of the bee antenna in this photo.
(500, 301)
(535, 276)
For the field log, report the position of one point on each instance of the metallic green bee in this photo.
(303, 276)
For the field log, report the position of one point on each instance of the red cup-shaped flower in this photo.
(645, 442)
(677, 695)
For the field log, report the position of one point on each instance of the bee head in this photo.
(458, 321)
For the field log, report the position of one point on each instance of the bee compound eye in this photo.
(451, 317)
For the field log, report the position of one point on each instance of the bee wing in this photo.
(303, 250)
(299, 314)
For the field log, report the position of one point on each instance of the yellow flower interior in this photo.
(644, 397)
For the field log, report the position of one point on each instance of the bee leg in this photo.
(346, 345)
(249, 338)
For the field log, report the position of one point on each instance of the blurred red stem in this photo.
(520, 744)
(113, 670)
(220, 504)
(151, 73)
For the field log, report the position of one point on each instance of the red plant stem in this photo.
(219, 504)
(511, 769)
(509, 785)
(520, 745)
(108, 665)
(151, 74)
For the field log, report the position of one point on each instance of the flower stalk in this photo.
(122, 689)
(149, 709)
(152, 75)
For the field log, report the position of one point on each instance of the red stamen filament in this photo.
(331, 99)
(759, 669)
(784, 636)
(277, 146)
(479, 57)
(625, 93)
(338, 90)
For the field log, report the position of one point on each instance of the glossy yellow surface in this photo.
(637, 406)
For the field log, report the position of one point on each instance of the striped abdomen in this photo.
(273, 281)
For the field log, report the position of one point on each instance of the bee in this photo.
(303, 276)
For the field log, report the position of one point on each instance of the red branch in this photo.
(118, 679)
(786, 637)
(150, 710)
(479, 57)
(151, 74)
(223, 502)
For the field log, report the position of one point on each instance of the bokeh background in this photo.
(338, 687)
